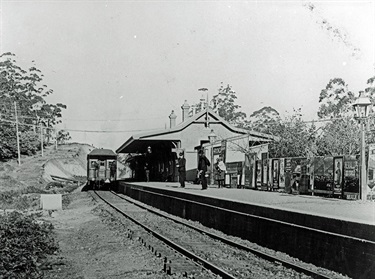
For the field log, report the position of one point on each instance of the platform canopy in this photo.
(139, 145)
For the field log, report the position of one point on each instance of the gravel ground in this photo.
(93, 247)
(247, 243)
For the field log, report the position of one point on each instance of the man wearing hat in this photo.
(148, 163)
(181, 165)
(203, 163)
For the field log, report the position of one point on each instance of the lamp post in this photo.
(361, 106)
(212, 138)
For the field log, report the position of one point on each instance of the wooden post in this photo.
(56, 139)
(41, 137)
(18, 138)
(363, 187)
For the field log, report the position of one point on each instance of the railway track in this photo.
(219, 255)
(171, 254)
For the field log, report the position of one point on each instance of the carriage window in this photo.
(102, 163)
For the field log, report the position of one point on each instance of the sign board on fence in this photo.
(51, 202)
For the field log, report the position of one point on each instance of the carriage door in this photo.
(92, 169)
(108, 169)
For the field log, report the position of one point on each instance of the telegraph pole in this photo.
(41, 136)
(18, 138)
(56, 139)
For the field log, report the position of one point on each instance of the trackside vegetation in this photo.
(24, 245)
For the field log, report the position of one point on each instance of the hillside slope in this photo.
(35, 171)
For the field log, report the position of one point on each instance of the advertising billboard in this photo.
(323, 175)
(258, 174)
(351, 177)
(282, 173)
(338, 174)
(275, 173)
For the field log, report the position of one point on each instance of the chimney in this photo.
(172, 119)
(192, 110)
(185, 111)
(202, 103)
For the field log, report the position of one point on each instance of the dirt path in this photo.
(93, 245)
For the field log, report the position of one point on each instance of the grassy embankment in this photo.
(25, 242)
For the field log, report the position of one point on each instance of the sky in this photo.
(121, 67)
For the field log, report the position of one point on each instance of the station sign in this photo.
(217, 150)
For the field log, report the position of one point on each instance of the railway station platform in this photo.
(331, 233)
(348, 210)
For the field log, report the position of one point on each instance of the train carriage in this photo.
(101, 168)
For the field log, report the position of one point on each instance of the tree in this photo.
(63, 136)
(264, 120)
(295, 137)
(224, 104)
(335, 100)
(25, 88)
(370, 90)
(49, 115)
(339, 136)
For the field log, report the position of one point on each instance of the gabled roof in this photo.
(214, 117)
(101, 152)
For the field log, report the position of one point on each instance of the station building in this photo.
(203, 130)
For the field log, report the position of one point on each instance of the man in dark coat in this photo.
(203, 163)
(113, 168)
(181, 165)
(148, 163)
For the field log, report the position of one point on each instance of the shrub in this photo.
(24, 243)
(33, 190)
(7, 198)
(54, 184)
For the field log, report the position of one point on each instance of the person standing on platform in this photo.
(221, 169)
(181, 165)
(113, 168)
(148, 163)
(203, 163)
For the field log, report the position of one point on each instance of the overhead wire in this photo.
(133, 119)
(88, 120)
(75, 130)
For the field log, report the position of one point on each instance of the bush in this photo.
(7, 198)
(15, 200)
(54, 184)
(33, 190)
(22, 203)
(29, 142)
(24, 243)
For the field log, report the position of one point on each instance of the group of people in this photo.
(203, 164)
(203, 167)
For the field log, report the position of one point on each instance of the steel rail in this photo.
(261, 254)
(213, 268)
